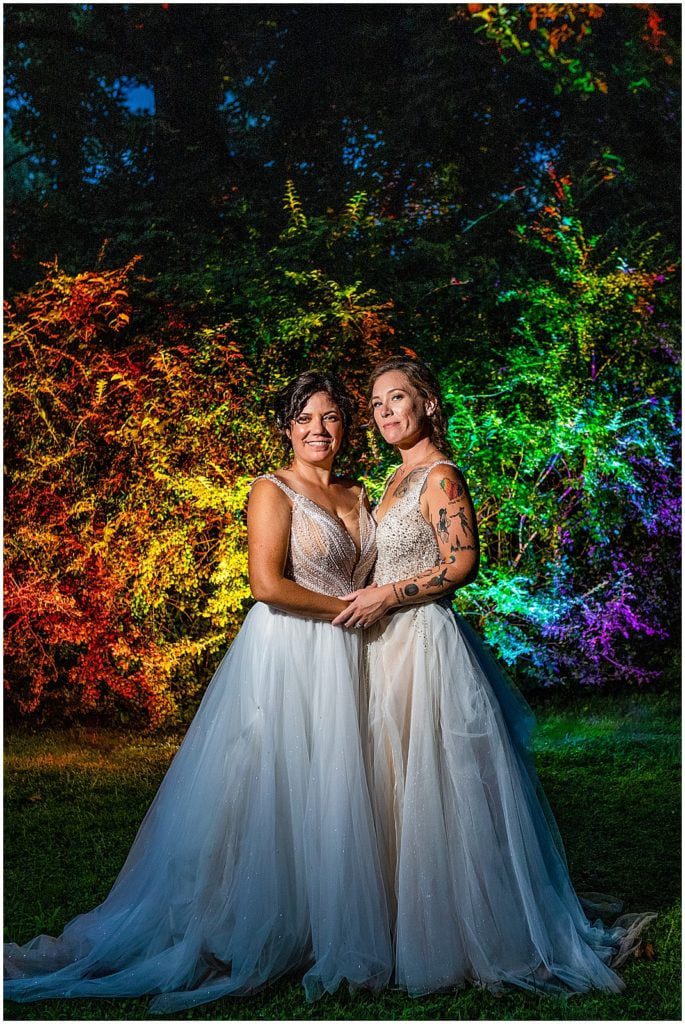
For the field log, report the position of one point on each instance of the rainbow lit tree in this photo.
(573, 448)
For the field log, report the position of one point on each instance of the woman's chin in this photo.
(391, 434)
(318, 457)
(395, 437)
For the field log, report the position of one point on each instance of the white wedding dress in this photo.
(475, 871)
(257, 856)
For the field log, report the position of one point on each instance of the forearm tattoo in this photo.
(436, 581)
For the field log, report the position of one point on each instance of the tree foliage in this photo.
(488, 185)
(573, 445)
(131, 456)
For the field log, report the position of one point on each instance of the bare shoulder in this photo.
(448, 481)
(265, 495)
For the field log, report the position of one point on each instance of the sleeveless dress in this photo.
(258, 855)
(475, 871)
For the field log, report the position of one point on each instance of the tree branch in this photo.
(18, 159)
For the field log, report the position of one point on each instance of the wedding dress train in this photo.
(257, 856)
(475, 870)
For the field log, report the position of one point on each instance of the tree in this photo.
(432, 110)
(487, 185)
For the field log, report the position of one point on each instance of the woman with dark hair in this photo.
(258, 855)
(475, 870)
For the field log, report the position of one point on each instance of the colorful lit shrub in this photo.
(130, 458)
(571, 440)
(131, 448)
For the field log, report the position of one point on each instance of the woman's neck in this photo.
(418, 454)
(316, 476)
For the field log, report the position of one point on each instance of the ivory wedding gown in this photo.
(257, 856)
(475, 870)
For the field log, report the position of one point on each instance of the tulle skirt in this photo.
(475, 872)
(257, 856)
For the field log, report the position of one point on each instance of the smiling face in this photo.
(316, 434)
(400, 411)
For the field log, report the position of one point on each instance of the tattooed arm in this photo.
(268, 539)
(447, 506)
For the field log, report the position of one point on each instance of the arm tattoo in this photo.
(463, 521)
(452, 489)
(411, 590)
(437, 581)
(451, 571)
(442, 529)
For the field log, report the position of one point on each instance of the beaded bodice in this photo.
(406, 542)
(322, 556)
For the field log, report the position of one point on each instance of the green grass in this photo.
(74, 799)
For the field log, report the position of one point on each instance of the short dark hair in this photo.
(291, 400)
(420, 375)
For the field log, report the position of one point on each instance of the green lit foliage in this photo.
(570, 439)
(293, 207)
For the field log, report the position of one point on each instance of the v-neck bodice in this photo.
(407, 544)
(323, 556)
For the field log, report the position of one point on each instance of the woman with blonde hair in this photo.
(475, 870)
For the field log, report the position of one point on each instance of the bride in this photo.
(474, 867)
(258, 855)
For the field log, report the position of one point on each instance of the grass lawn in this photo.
(74, 800)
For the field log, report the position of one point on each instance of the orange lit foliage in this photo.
(129, 459)
(557, 36)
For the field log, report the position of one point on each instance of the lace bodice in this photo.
(322, 555)
(406, 542)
